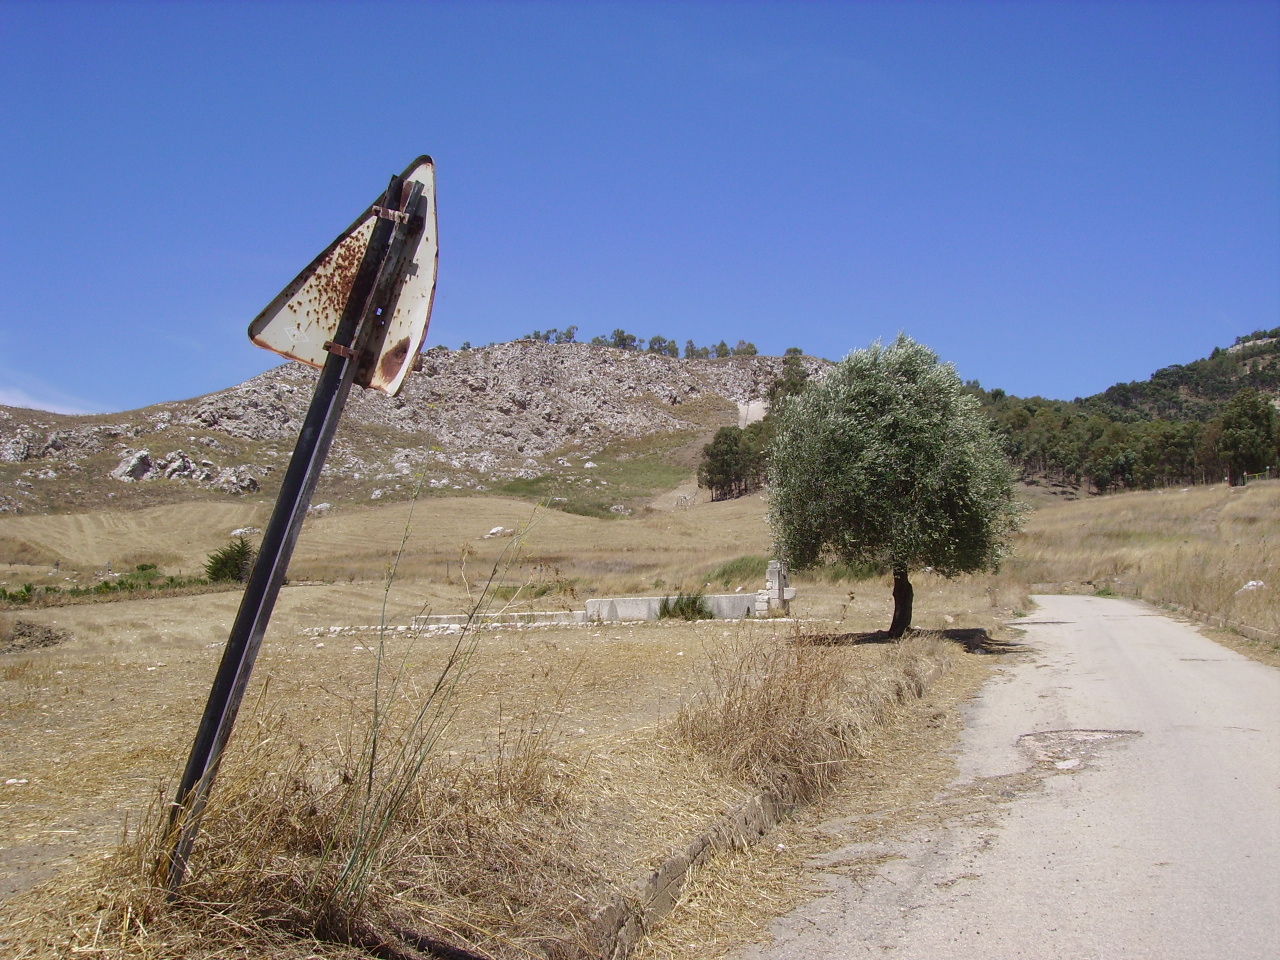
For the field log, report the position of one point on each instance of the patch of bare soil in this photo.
(23, 635)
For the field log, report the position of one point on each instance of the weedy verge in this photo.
(792, 717)
(508, 850)
(1209, 549)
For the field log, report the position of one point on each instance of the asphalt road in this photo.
(1119, 798)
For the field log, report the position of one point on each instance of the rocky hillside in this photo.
(474, 419)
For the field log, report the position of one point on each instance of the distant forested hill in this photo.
(1197, 390)
(1192, 423)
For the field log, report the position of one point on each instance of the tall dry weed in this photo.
(789, 716)
(480, 856)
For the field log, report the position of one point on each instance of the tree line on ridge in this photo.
(1204, 422)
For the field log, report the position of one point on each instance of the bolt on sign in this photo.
(359, 313)
(302, 321)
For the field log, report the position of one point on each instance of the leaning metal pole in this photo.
(358, 324)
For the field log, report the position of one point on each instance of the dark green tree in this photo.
(721, 468)
(553, 335)
(622, 340)
(664, 347)
(1210, 467)
(888, 461)
(755, 455)
(1248, 440)
(230, 564)
(734, 463)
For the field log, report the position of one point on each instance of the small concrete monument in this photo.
(777, 593)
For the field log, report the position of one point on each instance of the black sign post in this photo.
(356, 343)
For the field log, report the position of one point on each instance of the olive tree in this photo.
(889, 461)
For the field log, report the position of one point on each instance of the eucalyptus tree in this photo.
(889, 461)
(1248, 439)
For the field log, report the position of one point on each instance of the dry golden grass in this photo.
(575, 557)
(178, 536)
(906, 764)
(508, 844)
(562, 779)
(606, 556)
(358, 543)
(1195, 547)
(791, 717)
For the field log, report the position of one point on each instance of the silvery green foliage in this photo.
(887, 460)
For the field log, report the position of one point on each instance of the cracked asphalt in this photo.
(1118, 797)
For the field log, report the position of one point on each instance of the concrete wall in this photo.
(732, 606)
(623, 608)
(724, 606)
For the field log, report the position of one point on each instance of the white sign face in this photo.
(305, 315)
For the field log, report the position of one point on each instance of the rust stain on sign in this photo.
(305, 316)
(393, 361)
(335, 279)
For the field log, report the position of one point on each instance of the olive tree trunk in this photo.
(902, 597)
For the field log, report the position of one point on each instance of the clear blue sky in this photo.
(1055, 196)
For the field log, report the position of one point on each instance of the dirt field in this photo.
(94, 727)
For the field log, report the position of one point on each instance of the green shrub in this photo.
(685, 606)
(17, 596)
(230, 564)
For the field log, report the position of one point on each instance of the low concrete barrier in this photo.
(723, 606)
(732, 606)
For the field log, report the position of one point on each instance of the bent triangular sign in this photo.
(304, 317)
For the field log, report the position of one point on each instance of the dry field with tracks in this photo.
(574, 760)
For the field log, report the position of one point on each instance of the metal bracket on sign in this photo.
(388, 214)
(340, 350)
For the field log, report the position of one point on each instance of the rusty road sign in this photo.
(359, 312)
(304, 317)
